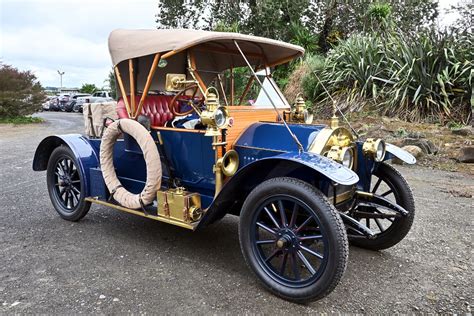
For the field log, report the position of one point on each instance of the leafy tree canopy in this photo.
(88, 88)
(297, 21)
(20, 92)
(112, 84)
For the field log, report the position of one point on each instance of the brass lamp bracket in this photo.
(177, 82)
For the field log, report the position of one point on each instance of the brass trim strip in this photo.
(162, 128)
(157, 218)
(260, 148)
(344, 196)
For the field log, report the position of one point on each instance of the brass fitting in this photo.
(299, 105)
(215, 116)
(338, 153)
(374, 148)
(227, 165)
(195, 213)
(299, 113)
(334, 122)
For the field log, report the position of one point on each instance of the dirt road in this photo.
(111, 262)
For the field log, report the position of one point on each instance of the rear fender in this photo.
(308, 167)
(80, 146)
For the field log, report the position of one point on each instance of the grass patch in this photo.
(18, 120)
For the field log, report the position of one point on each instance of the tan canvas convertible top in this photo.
(128, 44)
(199, 55)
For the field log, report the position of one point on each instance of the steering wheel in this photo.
(181, 97)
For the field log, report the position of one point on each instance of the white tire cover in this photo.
(152, 160)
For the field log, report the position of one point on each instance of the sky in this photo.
(45, 36)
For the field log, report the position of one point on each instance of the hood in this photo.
(275, 136)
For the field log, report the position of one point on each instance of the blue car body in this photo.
(265, 150)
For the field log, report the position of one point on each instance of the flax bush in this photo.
(427, 76)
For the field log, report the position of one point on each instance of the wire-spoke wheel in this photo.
(65, 185)
(293, 239)
(390, 227)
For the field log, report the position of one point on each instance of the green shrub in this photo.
(19, 120)
(346, 73)
(20, 92)
(428, 76)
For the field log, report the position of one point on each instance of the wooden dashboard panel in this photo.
(244, 116)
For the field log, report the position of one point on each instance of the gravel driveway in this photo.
(113, 262)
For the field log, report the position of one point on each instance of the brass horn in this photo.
(227, 165)
(230, 163)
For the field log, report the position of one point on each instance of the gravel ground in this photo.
(113, 262)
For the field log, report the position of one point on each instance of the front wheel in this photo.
(293, 239)
(66, 185)
(389, 228)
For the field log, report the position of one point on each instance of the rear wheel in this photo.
(66, 185)
(293, 239)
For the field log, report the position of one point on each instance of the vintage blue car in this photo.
(190, 145)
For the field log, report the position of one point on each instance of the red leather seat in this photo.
(156, 107)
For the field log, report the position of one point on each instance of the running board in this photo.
(191, 226)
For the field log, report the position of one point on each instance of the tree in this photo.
(329, 19)
(464, 22)
(180, 13)
(20, 92)
(337, 18)
(88, 88)
(112, 84)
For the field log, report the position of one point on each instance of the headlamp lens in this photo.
(220, 117)
(380, 154)
(347, 158)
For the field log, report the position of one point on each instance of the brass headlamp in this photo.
(299, 114)
(374, 148)
(215, 116)
(343, 155)
(299, 105)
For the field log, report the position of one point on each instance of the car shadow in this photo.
(215, 250)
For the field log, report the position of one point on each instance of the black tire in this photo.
(399, 227)
(66, 185)
(312, 206)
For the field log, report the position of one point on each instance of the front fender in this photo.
(80, 146)
(400, 153)
(323, 165)
(236, 189)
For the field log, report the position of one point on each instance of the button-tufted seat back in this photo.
(156, 107)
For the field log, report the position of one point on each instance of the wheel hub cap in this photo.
(284, 241)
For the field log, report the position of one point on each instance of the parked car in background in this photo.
(78, 106)
(99, 96)
(69, 106)
(54, 104)
(47, 102)
(63, 99)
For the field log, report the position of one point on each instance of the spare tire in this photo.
(152, 160)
